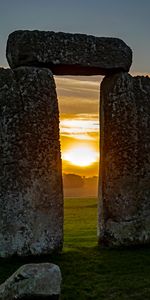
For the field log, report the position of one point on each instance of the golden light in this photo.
(82, 156)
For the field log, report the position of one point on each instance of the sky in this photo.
(79, 96)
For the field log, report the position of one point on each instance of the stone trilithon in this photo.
(31, 193)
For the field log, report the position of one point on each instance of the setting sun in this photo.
(80, 156)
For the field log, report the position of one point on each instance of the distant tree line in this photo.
(72, 181)
(77, 181)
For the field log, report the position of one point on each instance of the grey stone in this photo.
(66, 53)
(33, 281)
(124, 189)
(31, 193)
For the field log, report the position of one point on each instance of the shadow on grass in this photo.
(90, 273)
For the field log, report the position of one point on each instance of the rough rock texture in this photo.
(33, 281)
(65, 53)
(31, 196)
(124, 191)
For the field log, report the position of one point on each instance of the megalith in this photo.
(124, 187)
(33, 282)
(66, 53)
(31, 196)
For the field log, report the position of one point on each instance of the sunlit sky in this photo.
(79, 123)
(79, 96)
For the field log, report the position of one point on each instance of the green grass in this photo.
(80, 223)
(89, 272)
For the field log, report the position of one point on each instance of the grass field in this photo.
(89, 272)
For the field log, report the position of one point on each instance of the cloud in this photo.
(78, 94)
(140, 74)
(81, 126)
(79, 119)
(74, 105)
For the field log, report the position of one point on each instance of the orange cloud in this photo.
(80, 135)
(79, 122)
(78, 94)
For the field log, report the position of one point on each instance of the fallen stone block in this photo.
(33, 282)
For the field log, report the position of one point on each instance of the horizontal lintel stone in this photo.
(68, 54)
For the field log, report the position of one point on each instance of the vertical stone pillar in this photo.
(31, 194)
(124, 184)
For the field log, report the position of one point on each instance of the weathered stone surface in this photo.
(31, 196)
(33, 281)
(124, 192)
(65, 53)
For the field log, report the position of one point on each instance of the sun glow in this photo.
(82, 156)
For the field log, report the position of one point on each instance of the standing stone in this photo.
(31, 196)
(66, 53)
(33, 282)
(124, 189)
